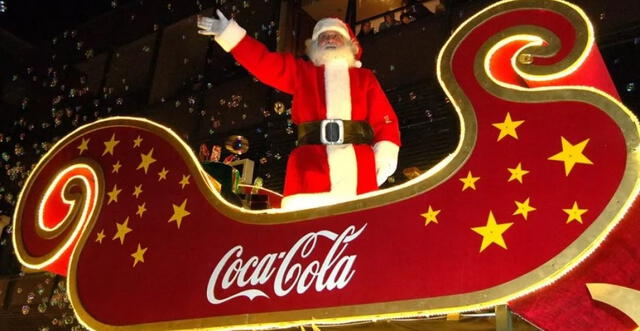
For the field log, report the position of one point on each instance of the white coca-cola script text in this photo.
(245, 277)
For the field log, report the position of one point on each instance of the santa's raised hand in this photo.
(211, 26)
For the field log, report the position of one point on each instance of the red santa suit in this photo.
(320, 174)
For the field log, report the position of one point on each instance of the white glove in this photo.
(211, 26)
(386, 157)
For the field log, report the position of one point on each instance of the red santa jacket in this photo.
(319, 168)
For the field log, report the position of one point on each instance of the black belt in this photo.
(334, 132)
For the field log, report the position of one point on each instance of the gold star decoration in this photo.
(141, 209)
(138, 256)
(137, 190)
(110, 145)
(571, 154)
(517, 173)
(508, 127)
(146, 160)
(431, 216)
(469, 181)
(179, 212)
(84, 145)
(575, 213)
(184, 181)
(163, 174)
(137, 141)
(492, 232)
(523, 208)
(100, 236)
(116, 167)
(113, 195)
(122, 230)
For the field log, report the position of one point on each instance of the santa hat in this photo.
(337, 25)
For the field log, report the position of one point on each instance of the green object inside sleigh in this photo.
(229, 179)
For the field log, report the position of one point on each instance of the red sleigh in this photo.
(536, 202)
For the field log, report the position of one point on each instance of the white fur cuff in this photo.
(386, 150)
(231, 36)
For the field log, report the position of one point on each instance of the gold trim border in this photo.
(79, 200)
(40, 262)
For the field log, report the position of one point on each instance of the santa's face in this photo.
(331, 46)
(330, 40)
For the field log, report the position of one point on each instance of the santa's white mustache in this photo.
(327, 53)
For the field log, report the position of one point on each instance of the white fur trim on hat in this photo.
(330, 24)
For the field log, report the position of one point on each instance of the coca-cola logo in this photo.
(245, 277)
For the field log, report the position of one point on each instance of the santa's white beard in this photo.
(327, 55)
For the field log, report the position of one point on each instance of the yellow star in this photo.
(469, 181)
(492, 232)
(100, 236)
(523, 208)
(179, 212)
(185, 181)
(430, 216)
(137, 141)
(116, 167)
(146, 160)
(141, 209)
(163, 174)
(508, 127)
(122, 230)
(138, 256)
(571, 154)
(84, 145)
(113, 195)
(575, 213)
(137, 190)
(110, 145)
(517, 173)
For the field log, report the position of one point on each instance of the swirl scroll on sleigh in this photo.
(546, 168)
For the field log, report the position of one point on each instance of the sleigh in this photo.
(535, 205)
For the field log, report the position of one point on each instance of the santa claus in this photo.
(348, 135)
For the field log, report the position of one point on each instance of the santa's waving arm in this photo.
(274, 69)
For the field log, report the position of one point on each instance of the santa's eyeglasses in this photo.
(330, 36)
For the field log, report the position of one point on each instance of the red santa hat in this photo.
(337, 25)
